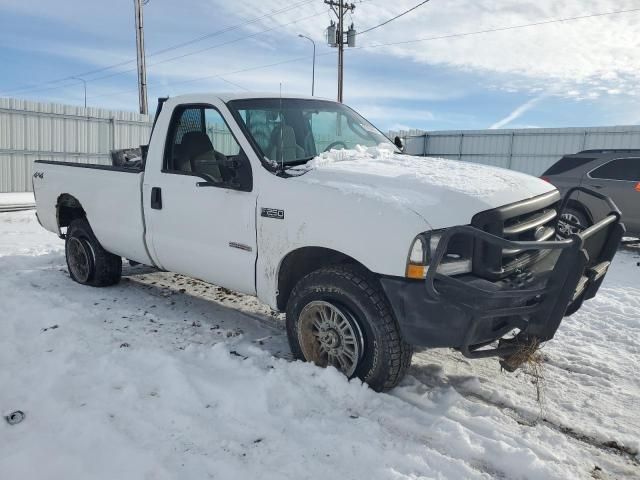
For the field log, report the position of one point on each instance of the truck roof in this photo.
(228, 96)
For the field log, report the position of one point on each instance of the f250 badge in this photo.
(38, 175)
(273, 213)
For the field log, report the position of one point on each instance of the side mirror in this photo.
(398, 143)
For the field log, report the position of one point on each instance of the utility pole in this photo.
(342, 10)
(142, 66)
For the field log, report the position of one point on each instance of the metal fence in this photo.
(526, 150)
(32, 130)
(47, 131)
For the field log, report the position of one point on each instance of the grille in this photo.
(530, 220)
(538, 226)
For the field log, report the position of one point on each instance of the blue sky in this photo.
(574, 73)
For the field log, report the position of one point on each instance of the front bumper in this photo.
(471, 313)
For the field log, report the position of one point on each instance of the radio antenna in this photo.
(281, 132)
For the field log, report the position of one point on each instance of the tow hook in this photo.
(523, 350)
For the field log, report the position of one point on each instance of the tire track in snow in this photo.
(256, 311)
(522, 417)
(207, 296)
(272, 321)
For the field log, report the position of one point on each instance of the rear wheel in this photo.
(88, 262)
(338, 316)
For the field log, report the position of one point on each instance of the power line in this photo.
(177, 57)
(393, 18)
(167, 49)
(500, 29)
(233, 27)
(219, 75)
(188, 54)
(463, 34)
(453, 35)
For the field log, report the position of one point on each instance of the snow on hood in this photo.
(420, 182)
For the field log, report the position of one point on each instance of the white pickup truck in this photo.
(306, 205)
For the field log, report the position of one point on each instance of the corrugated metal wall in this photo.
(32, 130)
(48, 131)
(527, 150)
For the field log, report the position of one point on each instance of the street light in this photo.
(84, 82)
(313, 74)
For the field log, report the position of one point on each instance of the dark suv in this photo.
(615, 173)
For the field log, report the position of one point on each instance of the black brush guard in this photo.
(536, 310)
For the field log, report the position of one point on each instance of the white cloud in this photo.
(518, 112)
(580, 54)
(586, 60)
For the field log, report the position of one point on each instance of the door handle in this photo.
(156, 198)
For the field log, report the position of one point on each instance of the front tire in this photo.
(338, 316)
(87, 261)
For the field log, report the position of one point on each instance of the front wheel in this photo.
(338, 316)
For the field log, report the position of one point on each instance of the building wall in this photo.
(526, 150)
(46, 131)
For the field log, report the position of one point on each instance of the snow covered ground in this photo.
(16, 201)
(166, 377)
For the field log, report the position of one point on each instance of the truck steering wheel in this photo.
(335, 144)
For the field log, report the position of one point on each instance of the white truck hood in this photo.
(443, 192)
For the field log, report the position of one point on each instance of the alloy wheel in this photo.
(80, 261)
(330, 336)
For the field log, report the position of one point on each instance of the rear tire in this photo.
(365, 330)
(88, 262)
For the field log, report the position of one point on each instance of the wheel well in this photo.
(301, 262)
(68, 208)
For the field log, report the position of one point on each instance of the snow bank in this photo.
(16, 201)
(158, 378)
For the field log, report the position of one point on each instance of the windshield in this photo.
(293, 131)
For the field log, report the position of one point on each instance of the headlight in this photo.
(456, 261)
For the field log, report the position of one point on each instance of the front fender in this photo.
(375, 233)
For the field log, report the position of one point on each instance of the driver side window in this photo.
(201, 143)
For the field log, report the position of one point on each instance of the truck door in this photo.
(619, 179)
(201, 211)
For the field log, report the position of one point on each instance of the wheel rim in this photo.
(79, 259)
(329, 335)
(566, 229)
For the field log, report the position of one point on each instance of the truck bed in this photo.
(110, 195)
(116, 168)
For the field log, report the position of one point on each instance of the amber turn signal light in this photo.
(417, 272)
